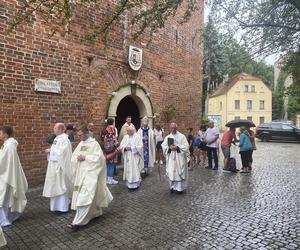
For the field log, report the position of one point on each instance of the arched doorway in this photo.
(127, 107)
(124, 103)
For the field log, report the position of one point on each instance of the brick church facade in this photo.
(96, 82)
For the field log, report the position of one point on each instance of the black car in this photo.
(277, 131)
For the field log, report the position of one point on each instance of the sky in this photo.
(271, 59)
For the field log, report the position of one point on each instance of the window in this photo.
(253, 88)
(220, 105)
(237, 104)
(261, 104)
(286, 127)
(261, 119)
(246, 88)
(237, 118)
(276, 126)
(249, 104)
(249, 118)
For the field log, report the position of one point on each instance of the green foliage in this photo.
(144, 17)
(278, 98)
(214, 59)
(292, 66)
(238, 59)
(266, 27)
(205, 121)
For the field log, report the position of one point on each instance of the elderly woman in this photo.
(245, 149)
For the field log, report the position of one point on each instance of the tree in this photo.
(267, 26)
(278, 110)
(292, 67)
(213, 61)
(238, 59)
(59, 15)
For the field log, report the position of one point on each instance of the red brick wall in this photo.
(28, 54)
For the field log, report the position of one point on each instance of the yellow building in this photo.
(243, 97)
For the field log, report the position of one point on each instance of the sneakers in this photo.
(161, 162)
(156, 162)
(111, 181)
(114, 182)
(245, 170)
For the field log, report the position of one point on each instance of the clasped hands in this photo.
(173, 147)
(80, 158)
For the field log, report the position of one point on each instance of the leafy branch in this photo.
(59, 15)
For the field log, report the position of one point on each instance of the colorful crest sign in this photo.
(135, 58)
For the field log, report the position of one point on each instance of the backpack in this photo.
(109, 143)
(196, 142)
(232, 165)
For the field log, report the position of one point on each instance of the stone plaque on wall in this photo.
(51, 86)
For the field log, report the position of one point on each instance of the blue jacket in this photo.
(245, 143)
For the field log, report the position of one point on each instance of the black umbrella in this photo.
(240, 123)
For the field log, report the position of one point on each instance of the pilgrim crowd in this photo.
(77, 179)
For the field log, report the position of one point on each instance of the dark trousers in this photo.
(212, 154)
(246, 157)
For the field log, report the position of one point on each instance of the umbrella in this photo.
(240, 123)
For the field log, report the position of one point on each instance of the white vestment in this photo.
(133, 160)
(151, 146)
(59, 177)
(123, 131)
(176, 162)
(90, 191)
(2, 238)
(13, 183)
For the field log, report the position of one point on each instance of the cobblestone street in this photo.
(219, 211)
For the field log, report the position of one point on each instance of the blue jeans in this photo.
(110, 169)
(212, 154)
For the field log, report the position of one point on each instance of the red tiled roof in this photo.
(223, 88)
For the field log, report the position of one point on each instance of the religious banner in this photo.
(135, 58)
(42, 85)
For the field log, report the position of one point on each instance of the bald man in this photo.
(59, 177)
(176, 150)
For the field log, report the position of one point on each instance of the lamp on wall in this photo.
(133, 87)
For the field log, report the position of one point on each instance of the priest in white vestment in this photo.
(132, 149)
(2, 238)
(124, 128)
(59, 177)
(176, 152)
(147, 135)
(90, 190)
(13, 183)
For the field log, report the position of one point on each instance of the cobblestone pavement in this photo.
(219, 211)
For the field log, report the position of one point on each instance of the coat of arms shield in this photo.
(135, 58)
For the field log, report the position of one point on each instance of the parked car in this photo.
(277, 131)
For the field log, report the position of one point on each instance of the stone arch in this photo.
(141, 98)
